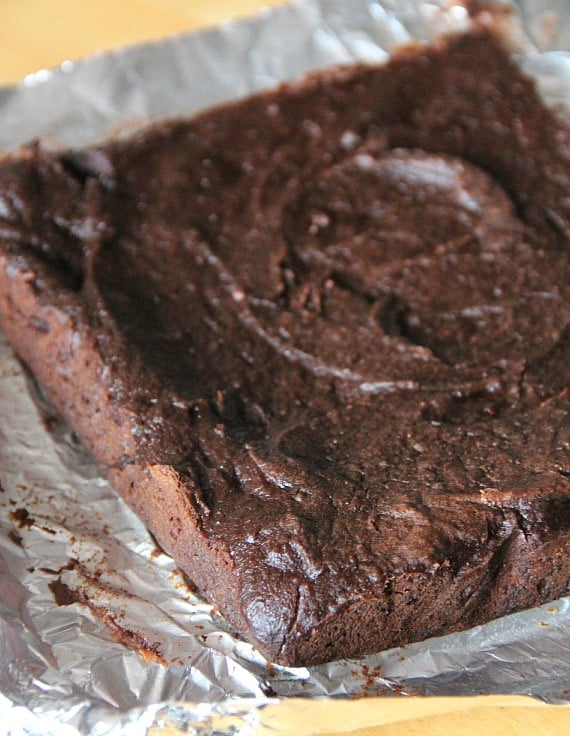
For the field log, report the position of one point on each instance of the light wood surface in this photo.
(479, 716)
(40, 34)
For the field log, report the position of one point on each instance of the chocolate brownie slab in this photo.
(319, 341)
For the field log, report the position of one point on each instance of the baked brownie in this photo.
(319, 341)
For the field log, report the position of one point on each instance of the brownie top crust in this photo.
(333, 320)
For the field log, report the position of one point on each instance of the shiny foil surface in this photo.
(143, 652)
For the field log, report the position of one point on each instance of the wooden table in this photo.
(36, 35)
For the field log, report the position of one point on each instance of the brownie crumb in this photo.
(22, 517)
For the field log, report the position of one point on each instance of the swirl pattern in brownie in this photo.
(333, 322)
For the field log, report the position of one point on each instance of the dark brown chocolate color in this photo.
(319, 340)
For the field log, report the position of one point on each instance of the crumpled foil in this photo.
(144, 652)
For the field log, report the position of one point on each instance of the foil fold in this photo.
(142, 653)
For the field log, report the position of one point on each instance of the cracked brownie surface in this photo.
(319, 340)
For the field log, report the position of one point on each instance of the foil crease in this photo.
(144, 652)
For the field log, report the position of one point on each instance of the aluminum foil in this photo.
(144, 651)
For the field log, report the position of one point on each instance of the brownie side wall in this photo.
(417, 606)
(64, 358)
